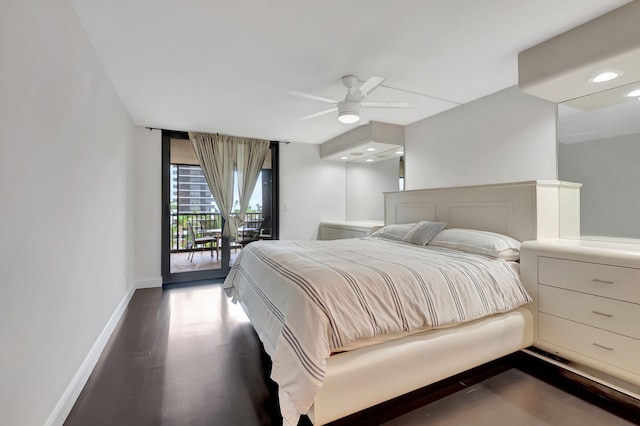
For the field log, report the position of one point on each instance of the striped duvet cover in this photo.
(308, 299)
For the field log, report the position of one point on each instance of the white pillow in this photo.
(423, 231)
(394, 232)
(480, 242)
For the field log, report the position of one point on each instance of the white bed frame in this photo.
(365, 377)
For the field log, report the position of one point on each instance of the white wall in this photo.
(366, 184)
(504, 137)
(148, 206)
(66, 252)
(311, 190)
(609, 172)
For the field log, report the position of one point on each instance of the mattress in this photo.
(310, 299)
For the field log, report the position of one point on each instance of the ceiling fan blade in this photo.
(310, 96)
(389, 104)
(370, 84)
(318, 114)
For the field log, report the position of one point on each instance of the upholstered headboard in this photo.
(523, 210)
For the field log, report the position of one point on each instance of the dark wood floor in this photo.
(187, 356)
(183, 356)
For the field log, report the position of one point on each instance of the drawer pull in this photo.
(603, 347)
(602, 281)
(603, 314)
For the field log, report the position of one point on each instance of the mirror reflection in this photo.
(366, 184)
(599, 146)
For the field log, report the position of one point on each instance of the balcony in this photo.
(202, 260)
(182, 248)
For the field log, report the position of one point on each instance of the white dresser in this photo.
(340, 230)
(587, 302)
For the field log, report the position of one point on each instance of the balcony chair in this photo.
(203, 240)
(265, 234)
(249, 232)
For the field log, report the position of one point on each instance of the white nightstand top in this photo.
(629, 248)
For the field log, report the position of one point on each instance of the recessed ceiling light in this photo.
(605, 76)
(371, 149)
(369, 160)
(634, 93)
(399, 152)
(344, 158)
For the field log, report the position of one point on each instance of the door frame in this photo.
(169, 278)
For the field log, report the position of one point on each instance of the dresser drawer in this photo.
(609, 314)
(603, 280)
(611, 348)
(328, 233)
(349, 233)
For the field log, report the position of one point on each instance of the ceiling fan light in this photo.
(348, 112)
(348, 117)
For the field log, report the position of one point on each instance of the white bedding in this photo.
(309, 299)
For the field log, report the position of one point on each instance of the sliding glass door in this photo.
(192, 243)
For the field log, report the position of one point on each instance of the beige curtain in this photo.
(251, 155)
(219, 156)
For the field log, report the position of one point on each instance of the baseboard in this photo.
(149, 283)
(572, 378)
(593, 375)
(72, 392)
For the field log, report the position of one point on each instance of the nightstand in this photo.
(587, 302)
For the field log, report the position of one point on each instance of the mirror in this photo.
(599, 146)
(366, 183)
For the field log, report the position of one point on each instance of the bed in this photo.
(398, 338)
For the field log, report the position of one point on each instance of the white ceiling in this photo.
(225, 66)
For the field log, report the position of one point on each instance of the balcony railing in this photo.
(179, 233)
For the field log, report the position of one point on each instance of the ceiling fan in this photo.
(349, 108)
